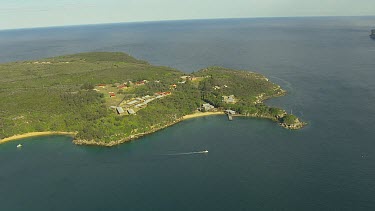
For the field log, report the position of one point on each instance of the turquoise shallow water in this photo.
(327, 66)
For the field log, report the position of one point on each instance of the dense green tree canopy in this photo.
(61, 94)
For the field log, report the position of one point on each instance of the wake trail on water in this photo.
(188, 153)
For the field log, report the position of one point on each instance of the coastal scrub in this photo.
(109, 98)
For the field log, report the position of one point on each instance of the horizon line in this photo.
(176, 20)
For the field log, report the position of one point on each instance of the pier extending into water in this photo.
(230, 117)
(230, 114)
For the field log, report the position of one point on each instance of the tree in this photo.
(289, 119)
(87, 86)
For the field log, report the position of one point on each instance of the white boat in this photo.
(205, 151)
(19, 145)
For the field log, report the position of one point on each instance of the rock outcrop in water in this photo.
(294, 126)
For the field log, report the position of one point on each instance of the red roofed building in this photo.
(122, 86)
(101, 85)
(139, 83)
(112, 94)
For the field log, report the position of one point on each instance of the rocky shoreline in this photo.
(297, 125)
(127, 139)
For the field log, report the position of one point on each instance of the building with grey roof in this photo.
(119, 110)
(131, 111)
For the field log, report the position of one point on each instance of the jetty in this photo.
(230, 114)
(230, 117)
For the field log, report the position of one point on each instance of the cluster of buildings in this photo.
(188, 77)
(218, 87)
(207, 107)
(139, 103)
(131, 106)
(125, 84)
(135, 104)
(112, 94)
(121, 86)
(101, 86)
(142, 82)
(120, 110)
(229, 99)
(230, 112)
(46, 62)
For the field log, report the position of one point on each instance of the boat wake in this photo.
(188, 153)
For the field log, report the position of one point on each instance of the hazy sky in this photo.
(40, 13)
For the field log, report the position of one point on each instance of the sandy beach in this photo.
(33, 134)
(201, 114)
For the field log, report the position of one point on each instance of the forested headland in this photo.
(110, 98)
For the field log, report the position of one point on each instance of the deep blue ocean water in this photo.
(327, 65)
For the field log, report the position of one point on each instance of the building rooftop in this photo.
(119, 110)
(131, 111)
(228, 111)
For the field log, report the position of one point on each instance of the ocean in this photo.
(326, 64)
